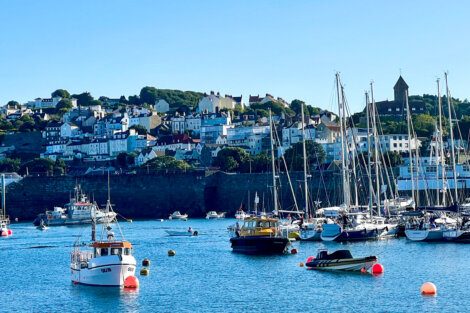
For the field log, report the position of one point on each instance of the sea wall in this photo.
(157, 195)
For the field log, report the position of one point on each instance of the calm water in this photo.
(205, 276)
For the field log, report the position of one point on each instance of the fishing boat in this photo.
(214, 215)
(4, 219)
(259, 235)
(105, 261)
(182, 233)
(178, 216)
(78, 211)
(262, 234)
(340, 260)
(241, 215)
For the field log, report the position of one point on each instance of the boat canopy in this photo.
(114, 244)
(339, 254)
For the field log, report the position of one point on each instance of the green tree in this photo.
(424, 125)
(64, 106)
(61, 93)
(43, 166)
(148, 95)
(294, 155)
(124, 160)
(261, 163)
(83, 99)
(296, 106)
(166, 163)
(27, 124)
(232, 159)
(140, 129)
(9, 165)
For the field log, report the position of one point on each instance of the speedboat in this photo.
(77, 212)
(106, 261)
(214, 215)
(183, 233)
(340, 260)
(241, 215)
(178, 216)
(259, 235)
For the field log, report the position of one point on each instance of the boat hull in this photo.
(180, 233)
(457, 236)
(310, 235)
(259, 245)
(343, 264)
(333, 232)
(424, 235)
(110, 275)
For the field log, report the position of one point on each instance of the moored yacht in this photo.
(78, 211)
(429, 228)
(241, 215)
(4, 219)
(178, 216)
(214, 215)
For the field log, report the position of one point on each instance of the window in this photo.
(116, 251)
(104, 251)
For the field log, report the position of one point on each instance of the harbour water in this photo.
(205, 276)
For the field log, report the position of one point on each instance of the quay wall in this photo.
(157, 195)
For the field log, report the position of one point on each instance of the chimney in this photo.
(212, 93)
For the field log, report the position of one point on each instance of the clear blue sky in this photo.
(287, 48)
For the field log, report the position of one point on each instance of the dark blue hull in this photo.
(358, 235)
(259, 245)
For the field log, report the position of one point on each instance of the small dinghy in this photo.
(340, 260)
(184, 233)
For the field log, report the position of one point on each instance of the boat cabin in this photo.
(259, 226)
(111, 248)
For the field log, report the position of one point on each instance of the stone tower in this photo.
(400, 90)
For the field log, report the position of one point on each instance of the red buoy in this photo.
(131, 282)
(293, 251)
(377, 268)
(10, 232)
(428, 289)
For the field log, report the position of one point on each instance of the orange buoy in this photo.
(377, 268)
(301, 264)
(363, 270)
(293, 251)
(310, 259)
(428, 289)
(131, 282)
(10, 232)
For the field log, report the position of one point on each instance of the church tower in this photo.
(400, 90)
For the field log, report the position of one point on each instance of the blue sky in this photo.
(290, 49)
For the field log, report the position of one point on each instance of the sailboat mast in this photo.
(304, 151)
(343, 156)
(452, 148)
(3, 197)
(273, 164)
(369, 167)
(441, 146)
(376, 148)
(408, 121)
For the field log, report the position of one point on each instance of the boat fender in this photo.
(171, 252)
(386, 228)
(195, 233)
(144, 272)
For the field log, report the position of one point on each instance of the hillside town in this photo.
(90, 134)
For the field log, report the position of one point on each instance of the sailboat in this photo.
(4, 219)
(106, 260)
(358, 225)
(261, 234)
(434, 223)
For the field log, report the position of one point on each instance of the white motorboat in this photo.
(178, 216)
(340, 260)
(241, 215)
(214, 215)
(106, 261)
(4, 219)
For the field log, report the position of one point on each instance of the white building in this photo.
(161, 106)
(68, 130)
(209, 134)
(250, 138)
(47, 103)
(145, 156)
(294, 134)
(214, 102)
(178, 124)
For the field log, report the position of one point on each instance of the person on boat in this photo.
(190, 230)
